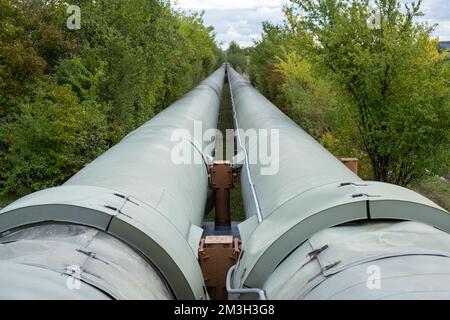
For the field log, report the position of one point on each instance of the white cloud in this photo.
(238, 20)
(227, 4)
(443, 30)
(233, 33)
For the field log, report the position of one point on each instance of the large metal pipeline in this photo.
(127, 226)
(315, 230)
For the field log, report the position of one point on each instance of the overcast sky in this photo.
(240, 20)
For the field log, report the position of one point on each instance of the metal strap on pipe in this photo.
(247, 167)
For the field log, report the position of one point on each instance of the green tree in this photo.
(195, 56)
(67, 95)
(46, 28)
(311, 101)
(53, 138)
(392, 75)
(236, 57)
(264, 74)
(84, 81)
(149, 56)
(20, 63)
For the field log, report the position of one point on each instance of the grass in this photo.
(236, 206)
(226, 122)
(435, 189)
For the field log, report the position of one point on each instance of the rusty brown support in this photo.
(217, 254)
(221, 179)
(351, 163)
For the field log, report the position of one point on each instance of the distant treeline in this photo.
(68, 95)
(374, 87)
(444, 45)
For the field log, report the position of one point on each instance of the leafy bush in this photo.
(68, 95)
(236, 57)
(52, 139)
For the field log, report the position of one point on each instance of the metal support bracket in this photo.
(216, 255)
(222, 177)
